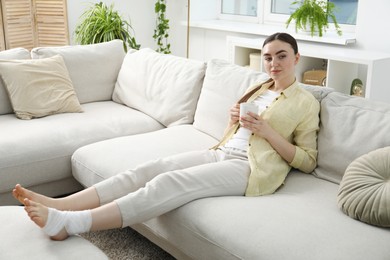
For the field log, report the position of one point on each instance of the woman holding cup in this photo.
(259, 148)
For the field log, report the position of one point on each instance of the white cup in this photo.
(248, 107)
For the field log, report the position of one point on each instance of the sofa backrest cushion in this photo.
(18, 54)
(162, 86)
(318, 92)
(350, 127)
(93, 68)
(223, 85)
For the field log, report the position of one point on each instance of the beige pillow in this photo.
(364, 192)
(39, 88)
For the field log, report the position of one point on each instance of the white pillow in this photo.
(16, 53)
(162, 86)
(39, 88)
(92, 68)
(223, 85)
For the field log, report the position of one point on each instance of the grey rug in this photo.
(120, 244)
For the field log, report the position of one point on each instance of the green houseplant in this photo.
(314, 14)
(100, 23)
(162, 26)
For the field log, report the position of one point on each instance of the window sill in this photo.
(265, 30)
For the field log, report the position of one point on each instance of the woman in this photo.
(253, 158)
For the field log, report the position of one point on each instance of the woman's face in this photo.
(279, 61)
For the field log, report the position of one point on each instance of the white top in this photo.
(240, 139)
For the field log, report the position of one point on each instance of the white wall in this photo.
(143, 20)
(372, 29)
(140, 14)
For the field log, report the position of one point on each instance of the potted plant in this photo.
(314, 14)
(161, 33)
(101, 23)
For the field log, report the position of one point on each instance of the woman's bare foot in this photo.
(21, 194)
(38, 213)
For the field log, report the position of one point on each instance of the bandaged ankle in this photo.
(74, 222)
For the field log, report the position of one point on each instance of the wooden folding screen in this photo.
(18, 23)
(51, 23)
(32, 23)
(2, 43)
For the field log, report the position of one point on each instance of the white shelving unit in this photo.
(341, 63)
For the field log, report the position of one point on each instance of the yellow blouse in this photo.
(294, 115)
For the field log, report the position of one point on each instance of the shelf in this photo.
(264, 30)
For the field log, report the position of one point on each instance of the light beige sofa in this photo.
(163, 105)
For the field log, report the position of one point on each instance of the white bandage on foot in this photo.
(74, 222)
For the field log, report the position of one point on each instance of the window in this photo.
(346, 10)
(277, 11)
(240, 7)
(239, 10)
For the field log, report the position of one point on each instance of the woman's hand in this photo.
(234, 114)
(257, 125)
(260, 127)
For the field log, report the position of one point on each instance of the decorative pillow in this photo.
(39, 88)
(165, 87)
(223, 85)
(16, 53)
(364, 192)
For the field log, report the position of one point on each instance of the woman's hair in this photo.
(284, 37)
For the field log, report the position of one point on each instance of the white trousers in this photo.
(159, 186)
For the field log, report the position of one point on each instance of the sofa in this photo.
(143, 105)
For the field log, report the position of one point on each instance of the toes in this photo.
(26, 202)
(36, 212)
(19, 193)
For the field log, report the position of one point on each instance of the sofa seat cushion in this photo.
(96, 162)
(12, 54)
(343, 134)
(299, 222)
(364, 192)
(38, 151)
(22, 239)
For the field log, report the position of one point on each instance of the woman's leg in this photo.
(133, 180)
(165, 192)
(60, 224)
(124, 183)
(176, 188)
(85, 199)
